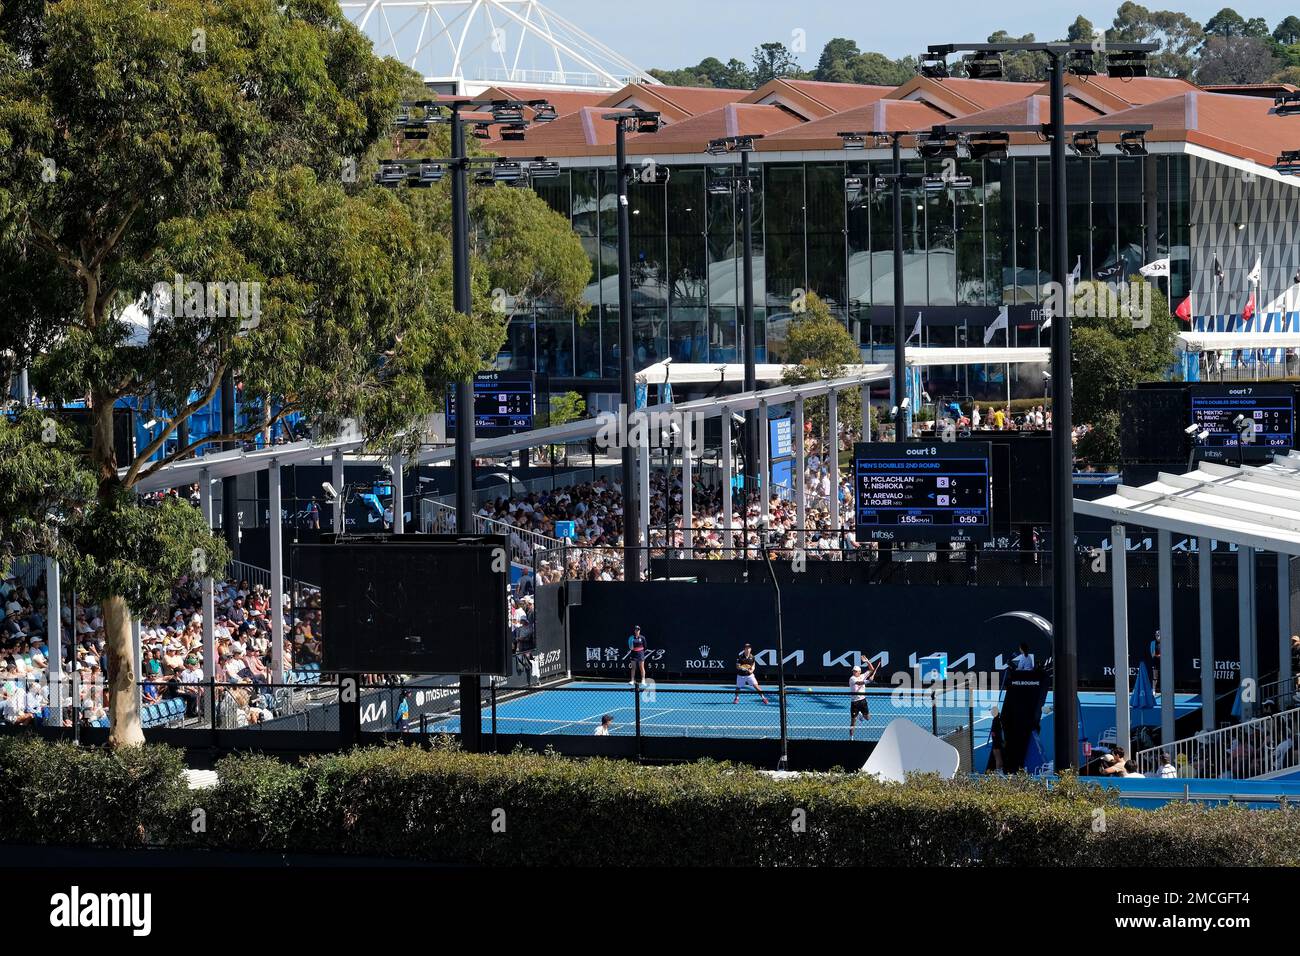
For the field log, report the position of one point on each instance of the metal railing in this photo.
(1253, 748)
(243, 571)
(438, 518)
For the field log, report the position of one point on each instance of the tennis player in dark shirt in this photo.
(745, 666)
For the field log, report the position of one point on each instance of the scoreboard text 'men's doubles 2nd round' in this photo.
(909, 491)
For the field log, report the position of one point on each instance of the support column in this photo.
(1246, 629)
(206, 585)
(764, 461)
(832, 457)
(276, 526)
(1205, 591)
(399, 494)
(54, 638)
(1284, 675)
(1119, 610)
(336, 479)
(800, 477)
(727, 469)
(137, 662)
(1166, 581)
(643, 453)
(865, 391)
(688, 490)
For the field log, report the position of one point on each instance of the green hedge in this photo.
(447, 806)
(62, 793)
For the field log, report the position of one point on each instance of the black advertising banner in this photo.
(694, 629)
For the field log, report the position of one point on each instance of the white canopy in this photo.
(1229, 341)
(1254, 506)
(705, 373)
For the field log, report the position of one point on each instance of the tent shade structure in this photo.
(1232, 341)
(905, 748)
(1255, 508)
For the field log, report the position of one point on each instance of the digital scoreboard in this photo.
(914, 491)
(1268, 410)
(505, 403)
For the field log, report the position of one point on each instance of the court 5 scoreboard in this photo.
(915, 491)
(1268, 409)
(505, 403)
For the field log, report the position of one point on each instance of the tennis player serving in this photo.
(858, 682)
(745, 664)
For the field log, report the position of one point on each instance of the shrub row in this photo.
(444, 805)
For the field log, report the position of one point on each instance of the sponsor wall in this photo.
(827, 626)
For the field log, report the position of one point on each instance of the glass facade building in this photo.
(966, 253)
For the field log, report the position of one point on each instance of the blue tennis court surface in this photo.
(704, 710)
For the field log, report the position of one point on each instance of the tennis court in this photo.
(708, 710)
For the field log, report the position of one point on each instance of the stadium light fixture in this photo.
(990, 145)
(933, 65)
(1082, 63)
(545, 113)
(1286, 104)
(1133, 143)
(853, 140)
(1288, 163)
(1126, 64)
(543, 169)
(986, 65)
(427, 174)
(1084, 143)
(938, 144)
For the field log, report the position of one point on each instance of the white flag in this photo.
(999, 323)
(1158, 268)
(916, 330)
(1256, 272)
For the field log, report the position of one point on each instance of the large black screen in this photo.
(414, 606)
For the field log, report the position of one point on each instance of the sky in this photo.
(667, 34)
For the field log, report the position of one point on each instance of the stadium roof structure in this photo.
(491, 43)
(1252, 506)
(707, 373)
(1255, 508)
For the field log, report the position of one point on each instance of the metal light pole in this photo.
(900, 332)
(462, 301)
(783, 761)
(743, 187)
(627, 367)
(1124, 60)
(1065, 640)
(751, 346)
(471, 730)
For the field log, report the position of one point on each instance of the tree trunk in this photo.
(123, 704)
(123, 707)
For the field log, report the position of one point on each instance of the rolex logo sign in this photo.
(704, 650)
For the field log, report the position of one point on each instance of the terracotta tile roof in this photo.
(812, 99)
(1030, 111)
(960, 96)
(734, 119)
(564, 101)
(881, 115)
(675, 102)
(1241, 126)
(1109, 95)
